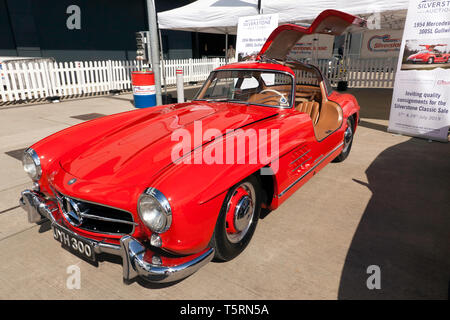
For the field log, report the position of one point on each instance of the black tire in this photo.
(348, 140)
(430, 60)
(225, 249)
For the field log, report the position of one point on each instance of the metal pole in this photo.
(154, 48)
(163, 66)
(226, 47)
(345, 55)
(314, 51)
(180, 86)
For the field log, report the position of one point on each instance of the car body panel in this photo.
(115, 158)
(121, 188)
(430, 55)
(424, 57)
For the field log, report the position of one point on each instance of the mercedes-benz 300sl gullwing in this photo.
(429, 55)
(172, 187)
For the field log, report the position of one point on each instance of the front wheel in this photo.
(348, 140)
(430, 61)
(237, 219)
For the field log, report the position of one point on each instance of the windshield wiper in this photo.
(222, 100)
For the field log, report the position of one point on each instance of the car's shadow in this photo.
(405, 229)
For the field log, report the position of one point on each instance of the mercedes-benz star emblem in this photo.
(72, 212)
(71, 181)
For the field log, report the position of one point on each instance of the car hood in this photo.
(140, 149)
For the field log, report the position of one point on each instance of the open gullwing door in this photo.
(284, 38)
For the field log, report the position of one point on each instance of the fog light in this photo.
(156, 260)
(155, 240)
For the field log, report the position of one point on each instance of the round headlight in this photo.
(32, 164)
(154, 210)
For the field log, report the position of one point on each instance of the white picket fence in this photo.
(194, 70)
(40, 80)
(361, 73)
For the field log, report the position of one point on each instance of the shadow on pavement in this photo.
(405, 229)
(374, 103)
(374, 126)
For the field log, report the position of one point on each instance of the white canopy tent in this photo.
(209, 16)
(221, 16)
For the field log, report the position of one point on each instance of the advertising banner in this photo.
(252, 33)
(305, 47)
(421, 97)
(381, 43)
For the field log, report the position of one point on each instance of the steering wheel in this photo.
(275, 91)
(283, 97)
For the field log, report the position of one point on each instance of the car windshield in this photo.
(265, 88)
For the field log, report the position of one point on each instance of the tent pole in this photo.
(226, 47)
(345, 55)
(197, 45)
(162, 63)
(154, 48)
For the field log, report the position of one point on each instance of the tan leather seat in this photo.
(311, 108)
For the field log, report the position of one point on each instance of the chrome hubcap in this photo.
(240, 212)
(348, 135)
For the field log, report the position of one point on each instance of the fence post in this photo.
(191, 70)
(111, 84)
(48, 67)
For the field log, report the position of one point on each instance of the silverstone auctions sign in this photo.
(421, 97)
(309, 45)
(381, 43)
(252, 33)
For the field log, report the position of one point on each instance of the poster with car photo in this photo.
(421, 96)
(252, 33)
(426, 54)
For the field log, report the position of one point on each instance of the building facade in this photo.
(69, 30)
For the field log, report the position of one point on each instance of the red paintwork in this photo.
(256, 65)
(430, 53)
(240, 192)
(115, 158)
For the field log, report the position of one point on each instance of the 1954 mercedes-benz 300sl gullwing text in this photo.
(171, 187)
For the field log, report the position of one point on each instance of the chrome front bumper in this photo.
(131, 250)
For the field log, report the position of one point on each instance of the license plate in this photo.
(74, 243)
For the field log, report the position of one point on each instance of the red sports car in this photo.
(429, 55)
(136, 184)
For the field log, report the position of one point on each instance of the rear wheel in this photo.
(430, 60)
(348, 140)
(237, 219)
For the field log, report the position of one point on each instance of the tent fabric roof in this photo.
(210, 16)
(221, 16)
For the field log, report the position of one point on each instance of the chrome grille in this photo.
(95, 217)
